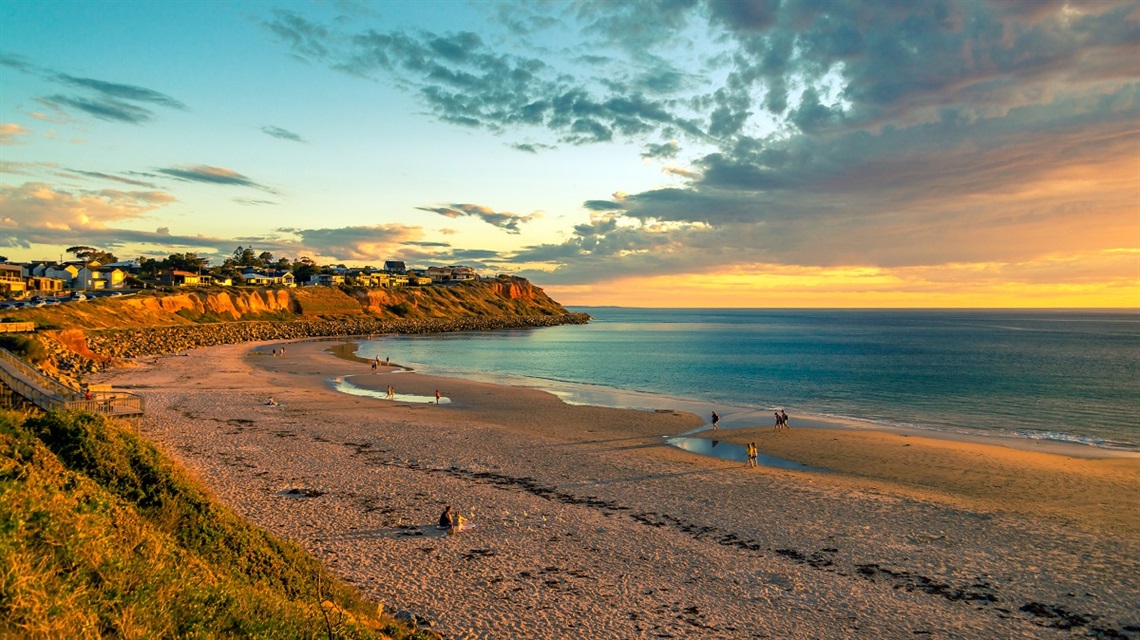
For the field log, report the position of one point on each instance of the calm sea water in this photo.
(1058, 375)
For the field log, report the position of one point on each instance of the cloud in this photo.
(466, 81)
(283, 134)
(212, 175)
(665, 150)
(508, 222)
(532, 147)
(107, 176)
(360, 243)
(12, 134)
(35, 211)
(111, 101)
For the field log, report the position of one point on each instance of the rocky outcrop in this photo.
(128, 343)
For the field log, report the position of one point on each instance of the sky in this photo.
(669, 153)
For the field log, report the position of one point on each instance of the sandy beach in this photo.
(588, 525)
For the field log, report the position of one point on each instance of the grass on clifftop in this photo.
(101, 535)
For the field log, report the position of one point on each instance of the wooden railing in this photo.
(51, 395)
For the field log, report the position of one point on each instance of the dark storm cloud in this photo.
(283, 134)
(508, 222)
(211, 175)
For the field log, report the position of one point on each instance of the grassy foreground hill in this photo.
(101, 535)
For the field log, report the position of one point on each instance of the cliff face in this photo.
(487, 298)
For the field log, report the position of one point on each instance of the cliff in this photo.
(487, 298)
(82, 337)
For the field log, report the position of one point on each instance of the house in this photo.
(65, 272)
(451, 274)
(419, 281)
(12, 279)
(283, 278)
(256, 279)
(395, 266)
(43, 284)
(176, 278)
(96, 278)
(269, 278)
(326, 279)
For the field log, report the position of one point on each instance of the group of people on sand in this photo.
(451, 522)
(279, 352)
(781, 420)
(376, 363)
(752, 453)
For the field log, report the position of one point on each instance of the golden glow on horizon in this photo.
(1110, 279)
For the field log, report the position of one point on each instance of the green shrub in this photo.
(27, 348)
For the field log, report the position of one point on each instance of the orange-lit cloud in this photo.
(1105, 279)
(11, 133)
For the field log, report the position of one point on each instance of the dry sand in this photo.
(589, 526)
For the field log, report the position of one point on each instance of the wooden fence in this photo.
(51, 395)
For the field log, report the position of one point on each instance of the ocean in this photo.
(1071, 376)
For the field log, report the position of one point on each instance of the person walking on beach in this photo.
(715, 421)
(373, 366)
(752, 454)
(779, 421)
(437, 396)
(784, 418)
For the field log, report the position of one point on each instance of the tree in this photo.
(184, 262)
(244, 257)
(91, 254)
(264, 258)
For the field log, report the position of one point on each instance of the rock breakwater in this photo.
(132, 342)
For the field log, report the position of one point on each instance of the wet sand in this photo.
(589, 526)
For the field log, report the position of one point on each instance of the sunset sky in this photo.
(664, 153)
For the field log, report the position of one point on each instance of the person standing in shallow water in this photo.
(715, 421)
(437, 396)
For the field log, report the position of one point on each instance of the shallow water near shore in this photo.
(1044, 376)
(729, 451)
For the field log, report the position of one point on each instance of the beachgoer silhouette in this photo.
(391, 392)
(446, 519)
(271, 402)
(779, 421)
(437, 396)
(387, 361)
(784, 418)
(715, 420)
(373, 367)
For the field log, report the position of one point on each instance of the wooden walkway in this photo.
(51, 395)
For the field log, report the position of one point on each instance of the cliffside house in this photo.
(12, 279)
(326, 279)
(65, 272)
(451, 274)
(43, 284)
(269, 278)
(98, 278)
(176, 278)
(395, 267)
